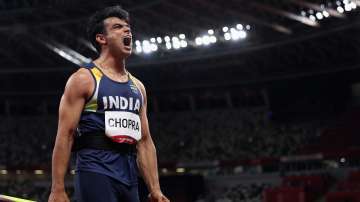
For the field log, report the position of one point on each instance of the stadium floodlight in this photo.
(227, 36)
(138, 49)
(239, 27)
(146, 46)
(312, 17)
(174, 38)
(168, 45)
(164, 170)
(178, 41)
(235, 35)
(338, 3)
(198, 41)
(325, 14)
(303, 13)
(353, 5)
(153, 47)
(311, 11)
(145, 42)
(182, 36)
(348, 7)
(159, 40)
(213, 39)
(176, 45)
(319, 16)
(206, 40)
(346, 2)
(225, 29)
(180, 170)
(147, 49)
(340, 9)
(242, 34)
(183, 44)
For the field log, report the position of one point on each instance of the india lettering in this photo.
(119, 102)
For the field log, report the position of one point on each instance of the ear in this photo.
(100, 38)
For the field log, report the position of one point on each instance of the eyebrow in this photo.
(123, 25)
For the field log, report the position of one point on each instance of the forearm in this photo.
(147, 163)
(60, 161)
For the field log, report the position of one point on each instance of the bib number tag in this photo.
(122, 127)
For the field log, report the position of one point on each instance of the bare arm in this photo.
(147, 160)
(76, 92)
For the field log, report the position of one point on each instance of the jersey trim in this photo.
(93, 91)
(132, 78)
(91, 105)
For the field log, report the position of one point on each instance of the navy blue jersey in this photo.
(114, 110)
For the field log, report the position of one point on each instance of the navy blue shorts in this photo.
(96, 187)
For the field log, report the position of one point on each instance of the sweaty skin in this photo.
(79, 88)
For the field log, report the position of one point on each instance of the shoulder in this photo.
(80, 81)
(139, 84)
(81, 77)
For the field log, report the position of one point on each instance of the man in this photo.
(106, 107)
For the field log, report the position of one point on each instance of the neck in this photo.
(110, 63)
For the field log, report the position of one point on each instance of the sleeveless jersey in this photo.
(113, 109)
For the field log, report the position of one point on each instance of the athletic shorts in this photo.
(96, 187)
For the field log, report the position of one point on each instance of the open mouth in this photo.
(127, 41)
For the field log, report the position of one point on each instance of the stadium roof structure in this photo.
(283, 36)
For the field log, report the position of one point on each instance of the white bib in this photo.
(122, 127)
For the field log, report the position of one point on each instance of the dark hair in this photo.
(96, 22)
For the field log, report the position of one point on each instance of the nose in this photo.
(127, 30)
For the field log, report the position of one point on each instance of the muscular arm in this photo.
(147, 160)
(76, 92)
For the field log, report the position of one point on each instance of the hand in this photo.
(58, 196)
(157, 196)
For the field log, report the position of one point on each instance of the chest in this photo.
(116, 96)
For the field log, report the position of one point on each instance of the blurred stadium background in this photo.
(250, 101)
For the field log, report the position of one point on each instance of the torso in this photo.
(113, 109)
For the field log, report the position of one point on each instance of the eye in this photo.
(118, 26)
